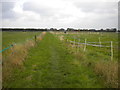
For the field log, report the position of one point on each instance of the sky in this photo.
(78, 14)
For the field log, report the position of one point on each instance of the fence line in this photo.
(100, 41)
(15, 44)
(111, 50)
(89, 44)
(96, 42)
(85, 45)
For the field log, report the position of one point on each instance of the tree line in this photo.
(62, 29)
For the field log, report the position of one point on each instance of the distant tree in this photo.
(113, 29)
(53, 29)
(70, 29)
(61, 29)
(107, 30)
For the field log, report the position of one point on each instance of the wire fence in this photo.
(12, 45)
(90, 44)
(94, 44)
(6, 48)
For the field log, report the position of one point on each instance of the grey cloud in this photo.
(42, 10)
(7, 10)
(85, 6)
(6, 6)
(97, 7)
(46, 12)
(96, 14)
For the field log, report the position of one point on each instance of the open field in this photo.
(56, 62)
(9, 38)
(16, 37)
(100, 59)
(93, 38)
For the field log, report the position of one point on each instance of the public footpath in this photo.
(51, 65)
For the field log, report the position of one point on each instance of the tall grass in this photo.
(109, 72)
(17, 57)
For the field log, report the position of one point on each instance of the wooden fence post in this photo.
(35, 38)
(111, 50)
(78, 45)
(85, 45)
(74, 41)
(99, 41)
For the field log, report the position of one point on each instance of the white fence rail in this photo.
(88, 43)
(94, 44)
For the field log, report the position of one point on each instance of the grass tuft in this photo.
(109, 71)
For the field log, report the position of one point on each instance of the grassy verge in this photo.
(51, 65)
(9, 38)
(16, 58)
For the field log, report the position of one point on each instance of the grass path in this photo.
(50, 65)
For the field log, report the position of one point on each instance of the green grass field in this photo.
(54, 63)
(96, 58)
(105, 39)
(16, 37)
(9, 38)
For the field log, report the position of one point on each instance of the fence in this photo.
(12, 45)
(6, 48)
(94, 44)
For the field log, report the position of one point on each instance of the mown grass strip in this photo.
(50, 65)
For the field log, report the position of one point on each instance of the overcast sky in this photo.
(60, 13)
